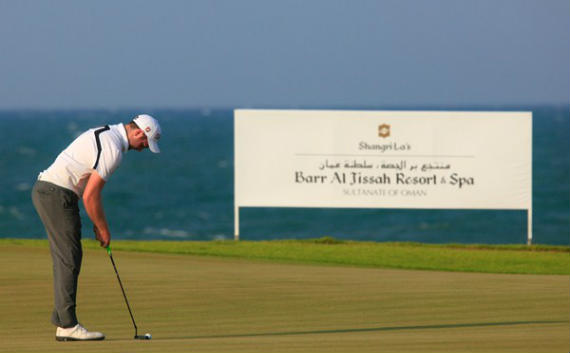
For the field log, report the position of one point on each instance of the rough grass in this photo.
(515, 259)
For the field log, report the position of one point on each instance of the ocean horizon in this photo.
(186, 192)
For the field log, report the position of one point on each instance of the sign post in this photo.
(383, 159)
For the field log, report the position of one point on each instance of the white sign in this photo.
(383, 159)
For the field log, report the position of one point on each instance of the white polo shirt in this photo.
(100, 149)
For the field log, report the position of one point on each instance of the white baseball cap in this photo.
(151, 128)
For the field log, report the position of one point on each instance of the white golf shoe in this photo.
(77, 333)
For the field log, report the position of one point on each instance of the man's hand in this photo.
(104, 240)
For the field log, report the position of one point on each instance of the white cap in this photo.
(151, 128)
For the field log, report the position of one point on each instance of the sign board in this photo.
(383, 159)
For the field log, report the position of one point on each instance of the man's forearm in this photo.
(93, 202)
(94, 208)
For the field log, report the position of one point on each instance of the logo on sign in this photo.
(384, 130)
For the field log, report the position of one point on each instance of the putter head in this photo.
(143, 337)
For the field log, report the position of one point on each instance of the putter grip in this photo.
(109, 250)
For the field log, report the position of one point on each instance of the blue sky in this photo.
(311, 53)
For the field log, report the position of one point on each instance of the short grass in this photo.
(520, 259)
(228, 304)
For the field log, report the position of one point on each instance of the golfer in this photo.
(81, 171)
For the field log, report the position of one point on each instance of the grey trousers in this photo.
(59, 211)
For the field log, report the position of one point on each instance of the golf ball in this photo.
(147, 336)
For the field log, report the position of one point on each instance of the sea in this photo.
(187, 191)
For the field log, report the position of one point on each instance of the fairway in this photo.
(210, 304)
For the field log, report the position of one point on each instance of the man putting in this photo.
(81, 171)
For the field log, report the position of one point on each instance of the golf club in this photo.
(137, 336)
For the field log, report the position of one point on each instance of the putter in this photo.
(137, 336)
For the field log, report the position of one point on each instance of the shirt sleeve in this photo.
(109, 160)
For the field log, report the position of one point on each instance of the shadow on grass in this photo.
(356, 330)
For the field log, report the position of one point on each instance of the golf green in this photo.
(212, 304)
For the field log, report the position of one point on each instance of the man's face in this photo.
(139, 141)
